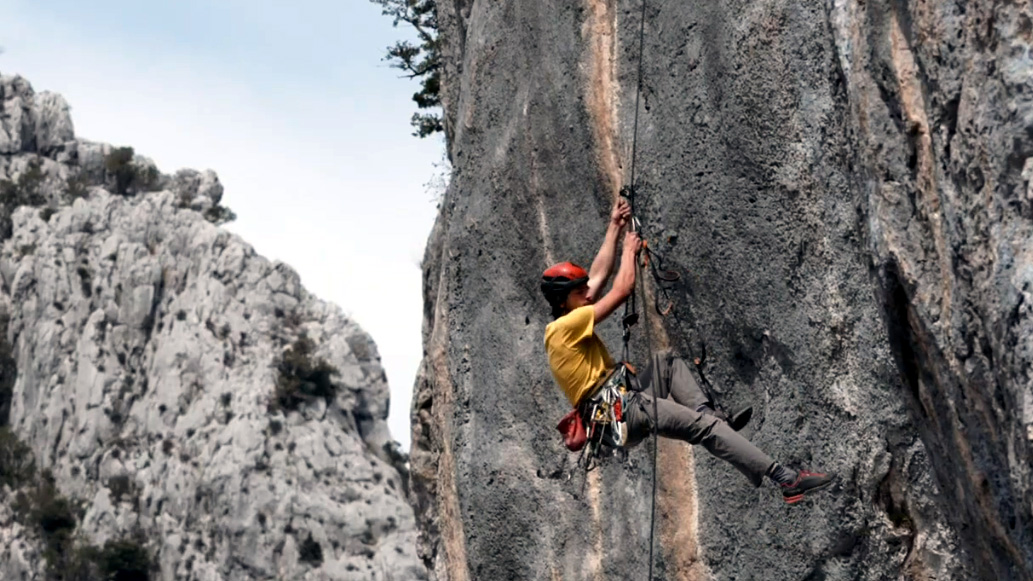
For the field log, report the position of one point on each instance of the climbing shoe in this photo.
(805, 482)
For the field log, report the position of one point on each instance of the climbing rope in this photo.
(656, 445)
(662, 278)
(630, 311)
(638, 95)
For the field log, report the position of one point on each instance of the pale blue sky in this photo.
(294, 108)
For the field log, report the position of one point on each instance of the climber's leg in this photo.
(679, 422)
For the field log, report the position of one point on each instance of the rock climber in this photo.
(581, 365)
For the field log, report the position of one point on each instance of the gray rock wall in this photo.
(146, 343)
(845, 190)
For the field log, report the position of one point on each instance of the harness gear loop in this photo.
(604, 413)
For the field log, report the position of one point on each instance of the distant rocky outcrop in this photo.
(167, 396)
(846, 188)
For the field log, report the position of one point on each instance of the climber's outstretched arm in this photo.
(624, 284)
(602, 266)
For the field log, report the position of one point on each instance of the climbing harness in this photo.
(604, 413)
(599, 419)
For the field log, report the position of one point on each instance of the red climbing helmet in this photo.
(559, 279)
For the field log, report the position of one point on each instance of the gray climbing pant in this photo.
(670, 380)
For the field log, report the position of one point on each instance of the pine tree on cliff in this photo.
(419, 61)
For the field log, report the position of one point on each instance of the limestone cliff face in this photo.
(145, 345)
(845, 188)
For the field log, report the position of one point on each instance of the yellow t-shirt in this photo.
(577, 356)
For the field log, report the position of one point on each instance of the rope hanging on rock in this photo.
(630, 311)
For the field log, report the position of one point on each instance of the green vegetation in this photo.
(53, 516)
(119, 165)
(16, 465)
(219, 215)
(40, 506)
(301, 378)
(76, 187)
(26, 191)
(124, 560)
(8, 372)
(310, 552)
(122, 486)
(419, 61)
(128, 178)
(119, 560)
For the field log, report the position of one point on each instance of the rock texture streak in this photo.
(846, 189)
(147, 344)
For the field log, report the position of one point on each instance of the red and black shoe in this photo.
(805, 482)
